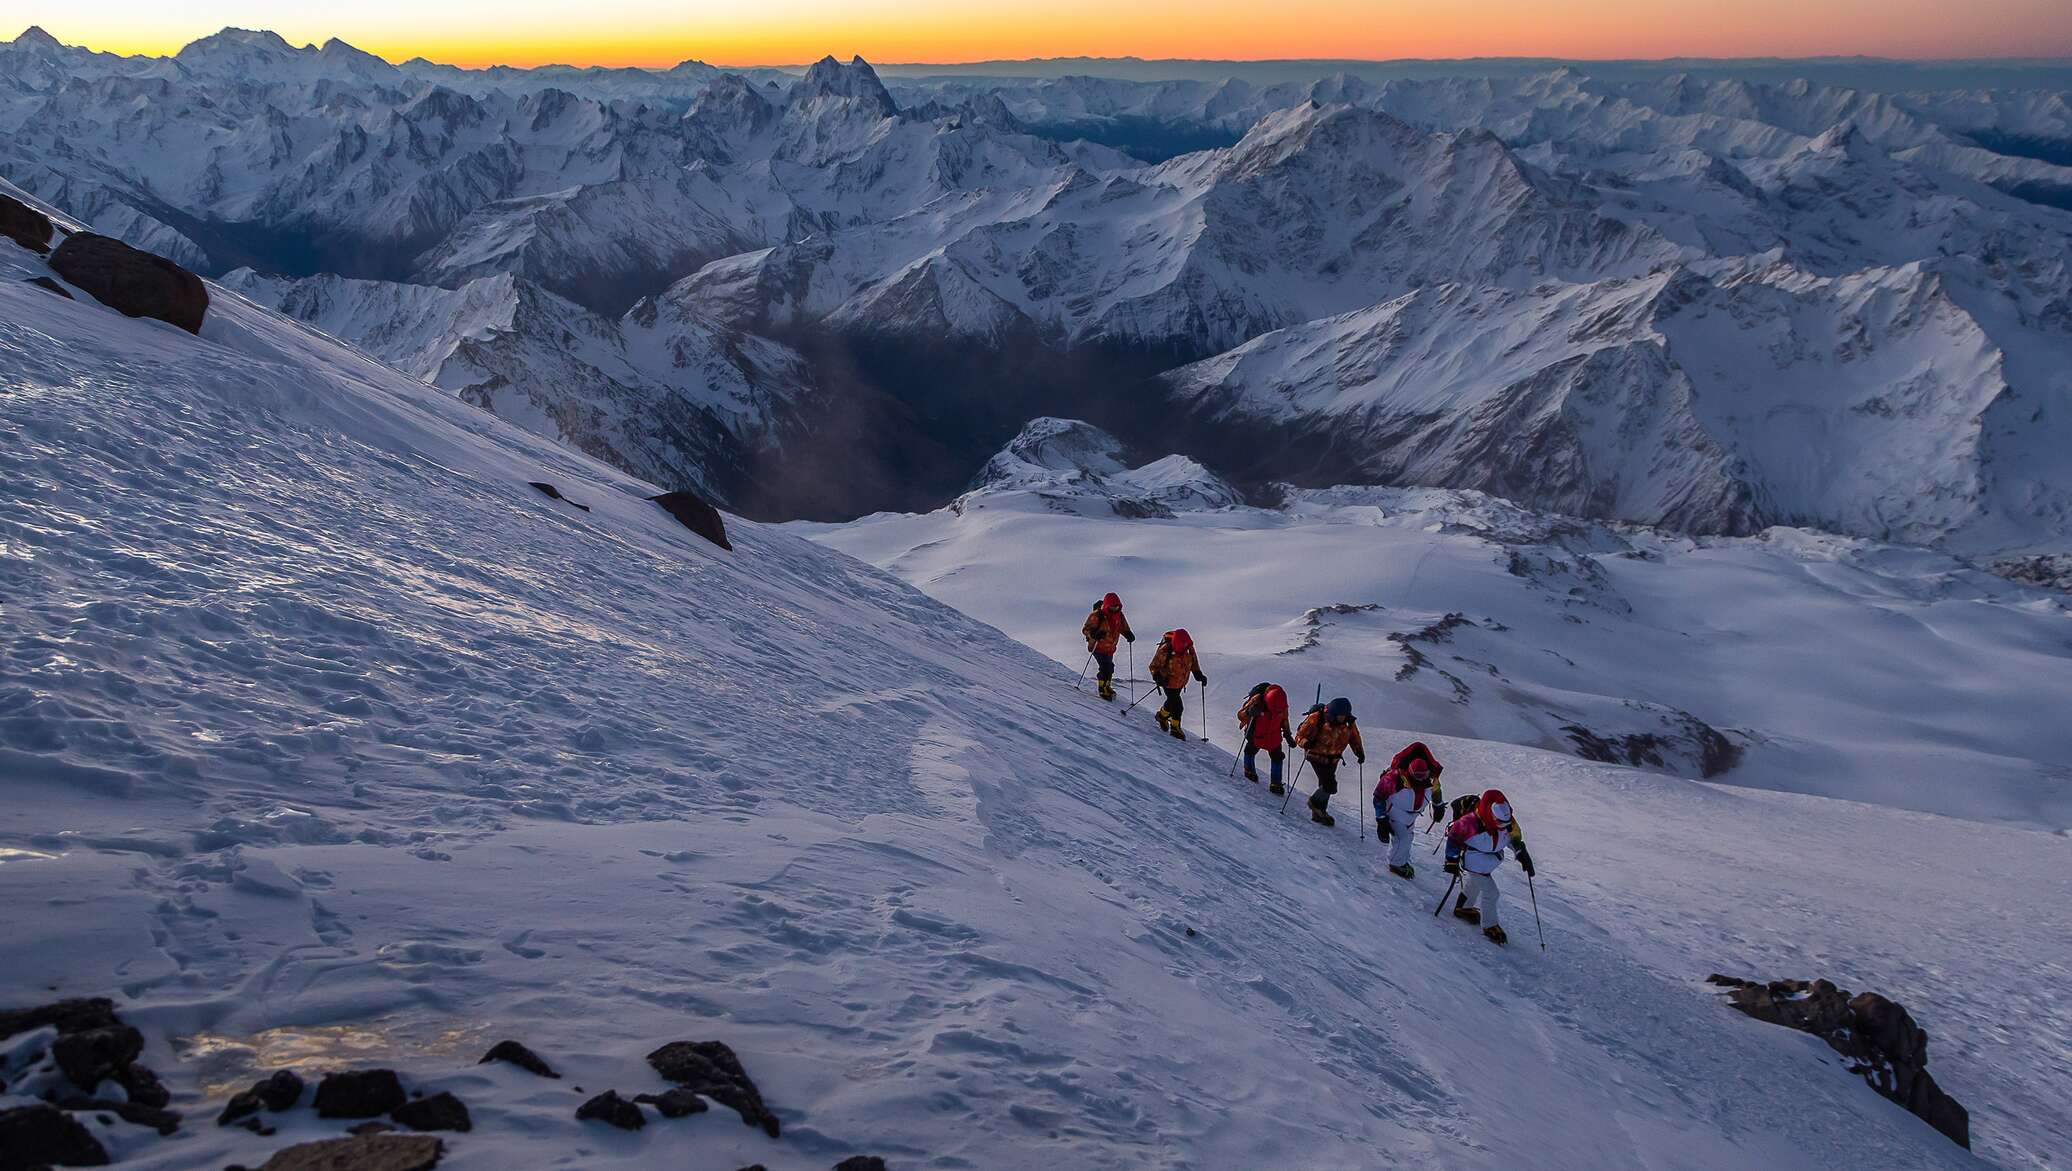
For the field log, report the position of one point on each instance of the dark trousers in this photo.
(1327, 781)
(1105, 660)
(1274, 754)
(1173, 704)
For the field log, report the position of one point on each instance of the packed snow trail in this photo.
(327, 739)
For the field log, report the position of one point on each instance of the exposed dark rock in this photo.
(711, 1069)
(45, 1136)
(142, 1085)
(676, 1103)
(161, 1120)
(2049, 570)
(369, 1152)
(278, 1091)
(861, 1163)
(440, 1111)
(67, 1016)
(360, 1093)
(609, 1107)
(553, 493)
(88, 1056)
(1877, 1036)
(695, 515)
(519, 1056)
(755, 1167)
(24, 224)
(49, 285)
(131, 281)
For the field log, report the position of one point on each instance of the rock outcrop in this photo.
(1877, 1036)
(518, 1055)
(131, 281)
(365, 1152)
(24, 224)
(696, 515)
(709, 1068)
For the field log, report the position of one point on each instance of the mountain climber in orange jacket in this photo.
(1325, 734)
(1264, 717)
(1102, 628)
(1171, 666)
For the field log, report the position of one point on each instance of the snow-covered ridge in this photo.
(1067, 465)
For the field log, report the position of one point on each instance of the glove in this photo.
(1291, 741)
(1383, 830)
(1201, 678)
(1129, 637)
(1361, 757)
(1525, 863)
(1452, 865)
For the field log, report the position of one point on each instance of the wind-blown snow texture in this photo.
(325, 734)
(1686, 299)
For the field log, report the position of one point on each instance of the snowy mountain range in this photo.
(333, 741)
(743, 264)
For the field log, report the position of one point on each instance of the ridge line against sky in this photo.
(661, 33)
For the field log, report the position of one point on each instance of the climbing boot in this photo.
(1467, 914)
(1494, 934)
(1251, 774)
(1107, 690)
(1276, 788)
(1406, 870)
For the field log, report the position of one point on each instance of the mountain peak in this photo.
(34, 37)
(856, 81)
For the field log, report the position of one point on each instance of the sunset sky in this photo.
(743, 32)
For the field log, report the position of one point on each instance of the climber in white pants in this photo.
(1475, 847)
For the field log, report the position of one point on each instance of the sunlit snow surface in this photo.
(338, 733)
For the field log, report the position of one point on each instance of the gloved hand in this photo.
(1129, 637)
(1383, 830)
(1452, 865)
(1360, 756)
(1525, 862)
(1290, 738)
(1201, 678)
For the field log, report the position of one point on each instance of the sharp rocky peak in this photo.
(856, 81)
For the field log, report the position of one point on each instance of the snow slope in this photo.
(1794, 660)
(325, 735)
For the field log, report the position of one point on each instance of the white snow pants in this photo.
(1402, 829)
(1480, 892)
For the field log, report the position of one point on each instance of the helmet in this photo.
(1419, 770)
(1111, 603)
(1340, 709)
(1494, 808)
(1180, 640)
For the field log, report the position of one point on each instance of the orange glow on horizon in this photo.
(649, 33)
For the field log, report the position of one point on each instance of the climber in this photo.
(1324, 736)
(1408, 786)
(1264, 717)
(1475, 847)
(1171, 665)
(1102, 628)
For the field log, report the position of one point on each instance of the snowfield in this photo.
(327, 740)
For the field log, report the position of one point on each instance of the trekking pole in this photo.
(1139, 699)
(1082, 671)
(1536, 912)
(1444, 897)
(1205, 709)
(1291, 784)
(1133, 663)
(1363, 797)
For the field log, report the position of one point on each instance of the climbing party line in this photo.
(1481, 829)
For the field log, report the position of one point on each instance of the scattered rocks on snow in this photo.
(520, 1056)
(131, 281)
(711, 1069)
(695, 515)
(362, 1093)
(440, 1111)
(1877, 1036)
(609, 1107)
(553, 493)
(45, 1136)
(92, 1046)
(88, 1056)
(161, 1120)
(368, 1152)
(861, 1163)
(279, 1091)
(50, 286)
(676, 1103)
(24, 224)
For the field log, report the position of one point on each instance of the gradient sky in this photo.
(746, 32)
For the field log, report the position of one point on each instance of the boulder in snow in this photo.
(50, 286)
(553, 493)
(1877, 1036)
(279, 1091)
(520, 1056)
(610, 1107)
(360, 1093)
(366, 1152)
(440, 1111)
(711, 1069)
(131, 281)
(24, 224)
(44, 1136)
(861, 1163)
(695, 515)
(676, 1103)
